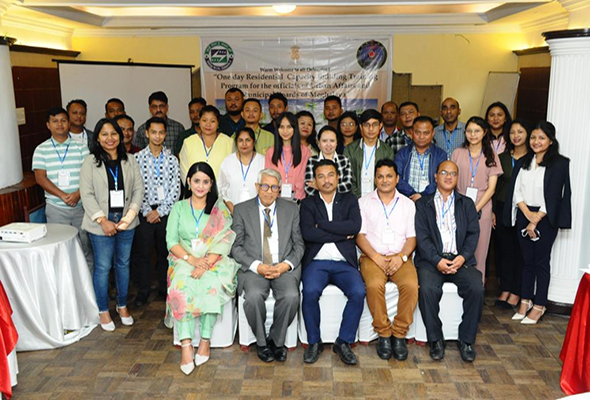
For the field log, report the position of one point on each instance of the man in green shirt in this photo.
(252, 112)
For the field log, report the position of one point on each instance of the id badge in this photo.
(472, 194)
(63, 179)
(388, 236)
(244, 194)
(195, 244)
(366, 186)
(423, 184)
(117, 198)
(287, 190)
(161, 194)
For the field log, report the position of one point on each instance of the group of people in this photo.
(356, 204)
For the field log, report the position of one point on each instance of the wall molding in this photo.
(35, 25)
(550, 22)
(575, 5)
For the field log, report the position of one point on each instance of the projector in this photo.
(22, 232)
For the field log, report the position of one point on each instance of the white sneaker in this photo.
(127, 321)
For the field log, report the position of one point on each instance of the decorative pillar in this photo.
(569, 111)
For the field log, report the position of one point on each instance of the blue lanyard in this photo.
(159, 160)
(449, 143)
(473, 171)
(115, 176)
(61, 160)
(205, 147)
(367, 164)
(499, 140)
(270, 223)
(247, 170)
(287, 167)
(197, 220)
(387, 214)
(448, 208)
(421, 161)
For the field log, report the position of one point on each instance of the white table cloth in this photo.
(13, 367)
(50, 289)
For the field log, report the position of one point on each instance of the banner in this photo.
(304, 69)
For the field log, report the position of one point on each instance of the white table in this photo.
(50, 289)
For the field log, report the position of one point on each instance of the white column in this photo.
(10, 157)
(569, 111)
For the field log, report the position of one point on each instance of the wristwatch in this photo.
(404, 257)
(99, 220)
(185, 257)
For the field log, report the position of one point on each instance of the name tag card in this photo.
(117, 198)
(423, 184)
(63, 179)
(161, 194)
(287, 190)
(244, 194)
(472, 194)
(366, 186)
(388, 236)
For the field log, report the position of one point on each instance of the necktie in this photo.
(266, 254)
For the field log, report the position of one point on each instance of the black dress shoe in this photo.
(400, 349)
(345, 352)
(437, 350)
(265, 354)
(467, 351)
(141, 299)
(280, 353)
(384, 348)
(503, 304)
(312, 353)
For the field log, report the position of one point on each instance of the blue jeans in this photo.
(109, 250)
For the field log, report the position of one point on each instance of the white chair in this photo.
(366, 331)
(332, 303)
(451, 311)
(246, 335)
(224, 331)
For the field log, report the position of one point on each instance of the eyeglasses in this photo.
(349, 124)
(446, 173)
(368, 125)
(265, 187)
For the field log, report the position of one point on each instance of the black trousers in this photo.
(471, 290)
(149, 236)
(509, 261)
(537, 258)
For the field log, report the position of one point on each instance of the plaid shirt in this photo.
(417, 170)
(174, 131)
(397, 140)
(344, 173)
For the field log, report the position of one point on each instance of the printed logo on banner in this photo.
(219, 56)
(371, 55)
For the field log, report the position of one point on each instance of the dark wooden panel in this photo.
(533, 93)
(14, 199)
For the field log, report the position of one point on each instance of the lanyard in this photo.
(205, 147)
(244, 175)
(421, 161)
(512, 162)
(473, 171)
(367, 164)
(387, 214)
(159, 160)
(258, 135)
(61, 160)
(286, 166)
(499, 140)
(448, 208)
(270, 223)
(449, 142)
(197, 220)
(115, 176)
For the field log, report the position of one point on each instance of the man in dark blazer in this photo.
(269, 248)
(447, 231)
(329, 223)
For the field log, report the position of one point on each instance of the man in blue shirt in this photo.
(450, 134)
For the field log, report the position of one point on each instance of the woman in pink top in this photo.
(479, 168)
(289, 157)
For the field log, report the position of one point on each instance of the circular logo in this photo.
(219, 56)
(371, 55)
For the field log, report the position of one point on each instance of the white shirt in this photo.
(231, 183)
(446, 225)
(273, 240)
(81, 137)
(329, 251)
(529, 188)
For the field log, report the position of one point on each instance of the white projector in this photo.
(22, 232)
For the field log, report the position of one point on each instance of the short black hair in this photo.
(278, 96)
(123, 116)
(159, 96)
(210, 109)
(155, 120)
(252, 99)
(409, 103)
(333, 98)
(113, 100)
(323, 163)
(371, 113)
(235, 90)
(198, 100)
(53, 111)
(77, 101)
(424, 118)
(385, 162)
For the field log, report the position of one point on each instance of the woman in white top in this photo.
(238, 171)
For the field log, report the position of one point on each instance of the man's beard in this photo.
(234, 112)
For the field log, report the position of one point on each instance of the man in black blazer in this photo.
(447, 231)
(329, 223)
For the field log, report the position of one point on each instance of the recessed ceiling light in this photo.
(284, 8)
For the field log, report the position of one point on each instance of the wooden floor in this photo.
(140, 362)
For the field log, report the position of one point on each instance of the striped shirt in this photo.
(54, 157)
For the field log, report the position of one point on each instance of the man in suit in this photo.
(329, 223)
(269, 248)
(447, 231)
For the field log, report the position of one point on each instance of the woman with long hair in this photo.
(479, 168)
(201, 275)
(349, 128)
(307, 131)
(539, 203)
(289, 157)
(499, 121)
(111, 189)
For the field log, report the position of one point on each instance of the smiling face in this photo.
(128, 130)
(267, 197)
(209, 123)
(245, 144)
(328, 143)
(77, 114)
(326, 179)
(156, 134)
(445, 180)
(474, 133)
(407, 115)
(286, 131)
(496, 118)
(251, 113)
(305, 126)
(450, 111)
(539, 141)
(386, 179)
(518, 135)
(200, 184)
(58, 125)
(108, 138)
